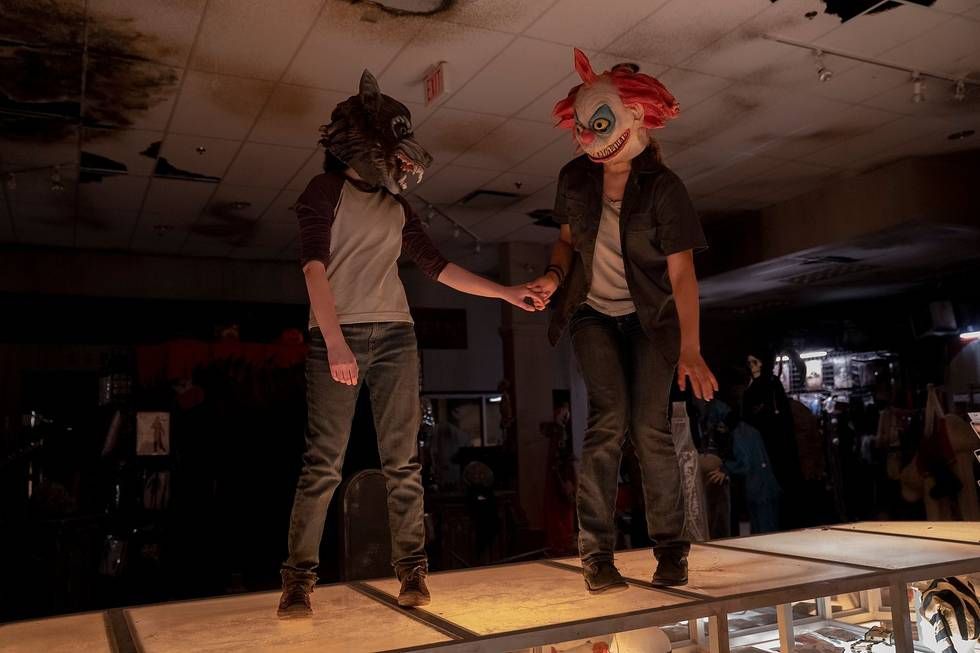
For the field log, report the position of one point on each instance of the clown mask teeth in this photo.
(612, 150)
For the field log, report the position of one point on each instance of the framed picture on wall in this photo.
(152, 434)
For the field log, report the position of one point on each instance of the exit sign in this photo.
(435, 83)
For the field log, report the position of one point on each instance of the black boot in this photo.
(413, 592)
(296, 589)
(601, 576)
(671, 570)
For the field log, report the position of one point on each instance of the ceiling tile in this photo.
(129, 93)
(252, 38)
(862, 146)
(148, 239)
(520, 182)
(266, 166)
(174, 201)
(515, 78)
(590, 24)
(294, 114)
(227, 195)
(180, 156)
(550, 160)
(803, 20)
(722, 115)
(540, 109)
(108, 229)
(859, 83)
(871, 34)
(500, 225)
(218, 105)
(121, 192)
(64, 25)
(34, 194)
(690, 87)
(448, 133)
(466, 50)
(512, 142)
(281, 210)
(120, 147)
(512, 16)
(939, 48)
(47, 231)
(310, 169)
(788, 180)
(681, 28)
(48, 148)
(451, 183)
(542, 199)
(834, 126)
(731, 172)
(956, 6)
(325, 59)
(159, 31)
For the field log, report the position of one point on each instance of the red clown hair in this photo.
(634, 88)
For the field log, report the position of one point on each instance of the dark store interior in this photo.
(155, 318)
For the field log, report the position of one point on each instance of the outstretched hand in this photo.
(524, 298)
(544, 286)
(692, 366)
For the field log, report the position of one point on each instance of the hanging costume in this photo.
(617, 300)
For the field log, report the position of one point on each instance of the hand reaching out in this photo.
(544, 286)
(717, 477)
(524, 298)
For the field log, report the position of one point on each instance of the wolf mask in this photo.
(372, 133)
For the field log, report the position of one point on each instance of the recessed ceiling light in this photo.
(200, 149)
(960, 135)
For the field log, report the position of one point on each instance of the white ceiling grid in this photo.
(250, 82)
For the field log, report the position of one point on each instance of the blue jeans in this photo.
(388, 363)
(628, 382)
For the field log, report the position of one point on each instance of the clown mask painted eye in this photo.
(603, 120)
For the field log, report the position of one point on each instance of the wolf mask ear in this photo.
(369, 92)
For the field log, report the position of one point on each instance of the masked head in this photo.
(612, 114)
(372, 133)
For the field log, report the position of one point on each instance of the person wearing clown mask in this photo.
(624, 264)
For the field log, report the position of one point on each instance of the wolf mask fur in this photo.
(372, 133)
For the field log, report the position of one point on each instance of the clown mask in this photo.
(605, 128)
(612, 113)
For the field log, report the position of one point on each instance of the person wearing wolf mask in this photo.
(624, 261)
(354, 225)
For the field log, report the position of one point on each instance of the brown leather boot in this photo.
(414, 592)
(602, 577)
(296, 589)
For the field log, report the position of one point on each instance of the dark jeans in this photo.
(387, 361)
(628, 381)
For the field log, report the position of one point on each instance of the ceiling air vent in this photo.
(489, 199)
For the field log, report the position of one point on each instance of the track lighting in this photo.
(959, 90)
(918, 89)
(824, 74)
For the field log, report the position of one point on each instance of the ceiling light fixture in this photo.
(456, 232)
(810, 355)
(824, 74)
(840, 54)
(959, 90)
(970, 335)
(240, 205)
(476, 247)
(918, 89)
(960, 135)
(200, 149)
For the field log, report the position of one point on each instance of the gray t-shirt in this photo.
(358, 232)
(609, 293)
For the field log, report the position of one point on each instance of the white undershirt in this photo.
(609, 293)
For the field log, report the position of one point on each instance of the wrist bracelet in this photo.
(558, 272)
